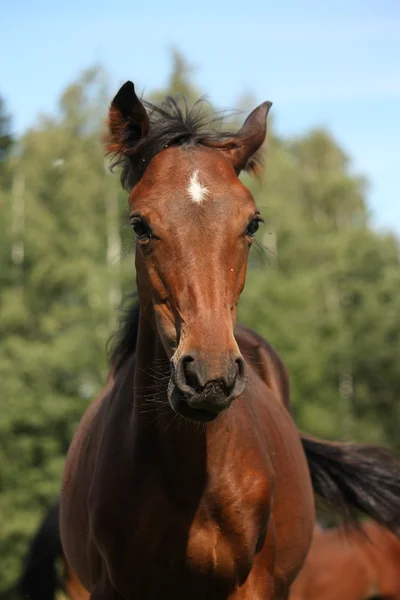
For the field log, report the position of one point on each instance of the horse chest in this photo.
(224, 547)
(199, 545)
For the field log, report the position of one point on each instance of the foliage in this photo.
(324, 292)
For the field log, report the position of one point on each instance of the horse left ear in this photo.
(128, 121)
(249, 139)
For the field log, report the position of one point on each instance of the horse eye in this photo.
(141, 228)
(253, 226)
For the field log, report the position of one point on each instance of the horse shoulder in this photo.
(293, 505)
(261, 356)
(78, 479)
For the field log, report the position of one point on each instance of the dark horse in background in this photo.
(40, 579)
(187, 477)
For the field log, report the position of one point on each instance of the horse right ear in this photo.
(249, 140)
(128, 121)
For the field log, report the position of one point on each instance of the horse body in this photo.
(332, 571)
(382, 550)
(197, 502)
(350, 565)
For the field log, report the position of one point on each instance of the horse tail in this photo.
(39, 579)
(355, 478)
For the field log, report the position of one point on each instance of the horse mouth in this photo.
(180, 405)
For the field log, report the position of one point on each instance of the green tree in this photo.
(324, 292)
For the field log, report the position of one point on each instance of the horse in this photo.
(39, 579)
(350, 565)
(187, 477)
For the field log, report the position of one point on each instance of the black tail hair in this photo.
(39, 580)
(355, 478)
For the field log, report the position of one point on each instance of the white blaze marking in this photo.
(197, 191)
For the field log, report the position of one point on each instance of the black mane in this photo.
(172, 123)
(122, 342)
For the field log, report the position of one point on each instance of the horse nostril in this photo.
(186, 360)
(241, 367)
(192, 376)
(190, 370)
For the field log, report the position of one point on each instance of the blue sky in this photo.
(334, 64)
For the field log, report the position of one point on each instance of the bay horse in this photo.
(187, 477)
(350, 565)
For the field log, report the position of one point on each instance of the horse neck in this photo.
(178, 446)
